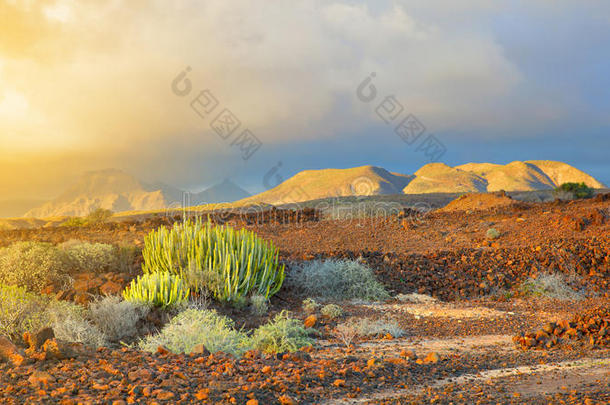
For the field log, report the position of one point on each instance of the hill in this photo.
(325, 183)
(534, 175)
(226, 191)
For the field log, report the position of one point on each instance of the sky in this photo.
(154, 87)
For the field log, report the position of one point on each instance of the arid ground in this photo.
(471, 331)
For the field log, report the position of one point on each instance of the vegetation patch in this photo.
(282, 334)
(32, 265)
(551, 286)
(573, 190)
(227, 263)
(160, 289)
(336, 279)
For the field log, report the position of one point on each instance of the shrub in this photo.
(32, 265)
(157, 289)
(94, 257)
(71, 326)
(283, 334)
(310, 305)
(549, 285)
(574, 190)
(20, 311)
(229, 264)
(116, 318)
(331, 311)
(338, 279)
(192, 327)
(492, 233)
(99, 215)
(365, 327)
(259, 305)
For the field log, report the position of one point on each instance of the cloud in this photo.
(95, 75)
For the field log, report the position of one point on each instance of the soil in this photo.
(457, 348)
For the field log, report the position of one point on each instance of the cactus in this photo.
(160, 289)
(228, 263)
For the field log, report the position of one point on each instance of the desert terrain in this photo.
(514, 317)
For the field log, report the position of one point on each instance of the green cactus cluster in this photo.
(228, 263)
(160, 289)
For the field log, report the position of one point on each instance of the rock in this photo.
(408, 354)
(431, 358)
(162, 351)
(10, 353)
(310, 321)
(202, 394)
(339, 383)
(252, 402)
(40, 379)
(36, 340)
(111, 288)
(287, 400)
(200, 350)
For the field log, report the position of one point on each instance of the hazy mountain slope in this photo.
(440, 178)
(17, 208)
(314, 184)
(111, 189)
(226, 191)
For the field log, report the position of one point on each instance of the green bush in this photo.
(331, 311)
(94, 257)
(229, 264)
(32, 265)
(492, 233)
(192, 327)
(576, 190)
(160, 289)
(259, 305)
(310, 305)
(97, 216)
(336, 279)
(283, 334)
(20, 311)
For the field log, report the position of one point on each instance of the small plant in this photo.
(94, 257)
(99, 215)
(259, 305)
(338, 279)
(32, 265)
(492, 233)
(549, 285)
(20, 311)
(331, 311)
(69, 324)
(116, 318)
(283, 334)
(310, 305)
(229, 264)
(346, 332)
(157, 289)
(192, 327)
(573, 190)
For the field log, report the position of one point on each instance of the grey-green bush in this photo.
(336, 279)
(115, 317)
(192, 327)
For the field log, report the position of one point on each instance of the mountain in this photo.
(226, 191)
(314, 184)
(431, 178)
(111, 189)
(118, 191)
